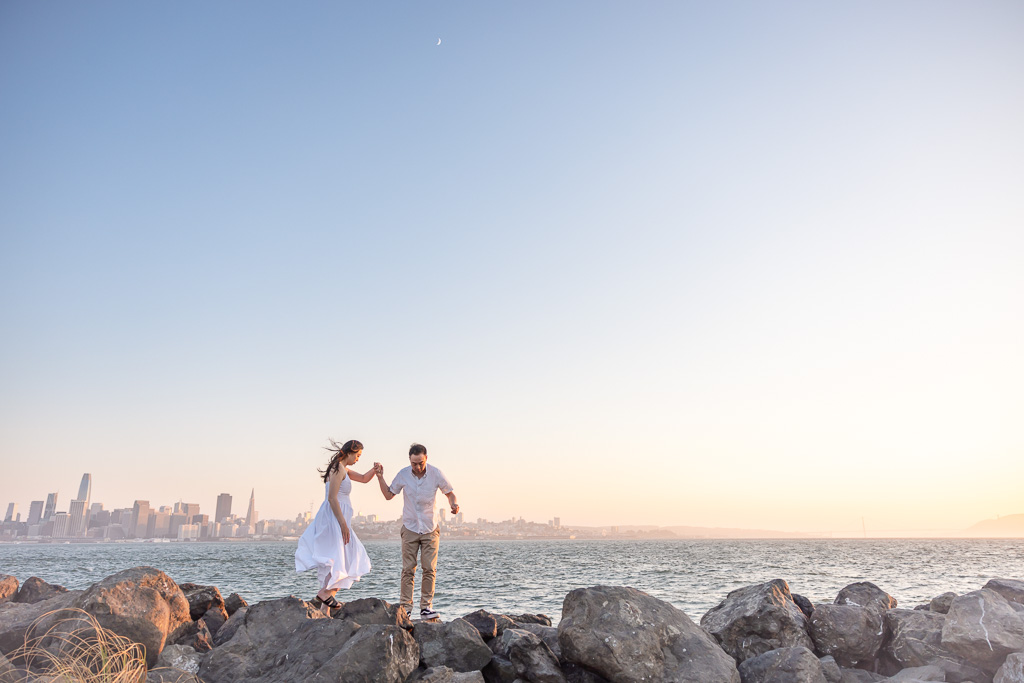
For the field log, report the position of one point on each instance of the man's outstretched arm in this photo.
(383, 485)
(454, 503)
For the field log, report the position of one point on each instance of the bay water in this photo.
(515, 577)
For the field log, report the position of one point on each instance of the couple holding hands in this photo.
(329, 544)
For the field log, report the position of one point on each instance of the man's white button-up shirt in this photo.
(419, 513)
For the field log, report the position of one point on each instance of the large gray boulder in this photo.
(1012, 670)
(626, 635)
(142, 604)
(784, 665)
(853, 635)
(982, 628)
(456, 645)
(915, 640)
(756, 619)
(36, 590)
(1010, 589)
(278, 641)
(866, 594)
(376, 653)
(17, 618)
(532, 659)
(8, 587)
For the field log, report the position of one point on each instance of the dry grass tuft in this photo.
(75, 649)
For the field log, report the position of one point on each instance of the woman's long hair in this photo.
(337, 453)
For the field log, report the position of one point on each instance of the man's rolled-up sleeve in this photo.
(443, 483)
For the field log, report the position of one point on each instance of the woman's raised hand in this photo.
(378, 469)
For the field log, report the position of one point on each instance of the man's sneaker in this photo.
(428, 614)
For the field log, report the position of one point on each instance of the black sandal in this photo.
(332, 603)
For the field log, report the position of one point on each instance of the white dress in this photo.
(321, 547)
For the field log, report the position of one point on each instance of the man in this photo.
(418, 485)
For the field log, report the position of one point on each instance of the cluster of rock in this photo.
(759, 634)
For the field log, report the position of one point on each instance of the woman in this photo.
(329, 544)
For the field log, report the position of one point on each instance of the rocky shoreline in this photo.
(761, 633)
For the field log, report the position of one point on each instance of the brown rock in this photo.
(234, 603)
(8, 587)
(484, 622)
(36, 590)
(142, 604)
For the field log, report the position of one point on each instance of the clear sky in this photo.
(738, 264)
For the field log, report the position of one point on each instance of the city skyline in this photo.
(738, 265)
(1004, 526)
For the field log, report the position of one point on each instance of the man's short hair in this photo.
(417, 449)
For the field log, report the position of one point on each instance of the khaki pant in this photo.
(426, 545)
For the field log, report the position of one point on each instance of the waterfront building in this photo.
(223, 507)
(12, 509)
(140, 519)
(61, 525)
(35, 512)
(159, 525)
(76, 519)
(178, 520)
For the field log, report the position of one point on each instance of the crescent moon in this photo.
(438, 41)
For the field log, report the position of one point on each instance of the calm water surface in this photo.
(534, 576)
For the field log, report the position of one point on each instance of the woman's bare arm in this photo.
(332, 499)
(362, 478)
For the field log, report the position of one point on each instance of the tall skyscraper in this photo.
(51, 507)
(76, 519)
(250, 515)
(85, 489)
(223, 507)
(60, 525)
(12, 509)
(35, 512)
(140, 518)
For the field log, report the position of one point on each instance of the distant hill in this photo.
(1010, 526)
(718, 532)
